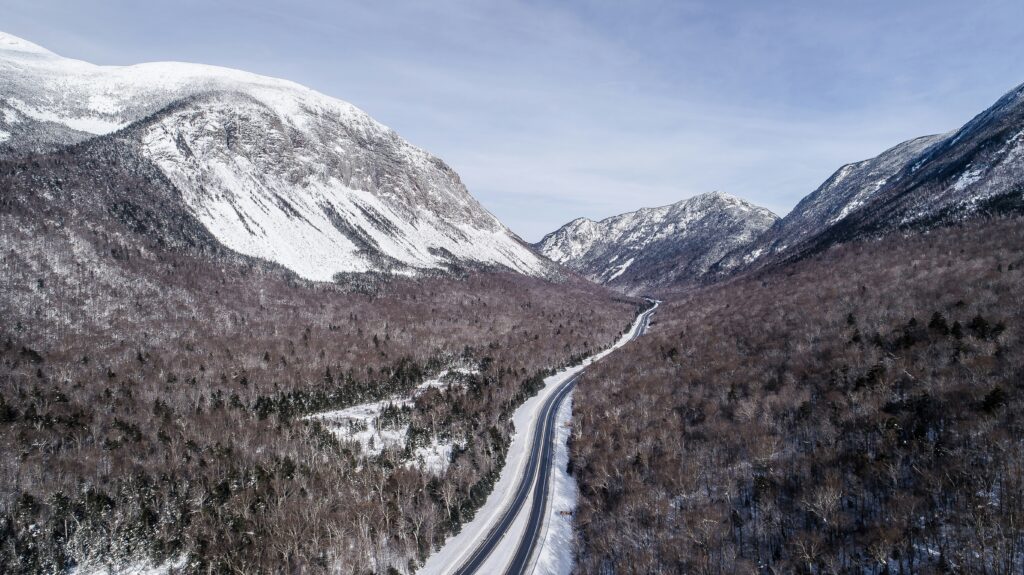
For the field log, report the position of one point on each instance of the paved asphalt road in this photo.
(536, 479)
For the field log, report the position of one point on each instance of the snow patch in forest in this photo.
(433, 458)
(967, 178)
(753, 255)
(362, 423)
(104, 104)
(89, 124)
(621, 268)
(140, 567)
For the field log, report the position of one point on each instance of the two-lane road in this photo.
(534, 482)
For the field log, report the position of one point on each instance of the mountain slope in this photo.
(978, 169)
(272, 169)
(168, 365)
(820, 380)
(657, 247)
(850, 186)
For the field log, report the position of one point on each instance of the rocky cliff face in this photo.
(932, 180)
(272, 169)
(655, 248)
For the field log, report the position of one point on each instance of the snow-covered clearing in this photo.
(363, 424)
(458, 547)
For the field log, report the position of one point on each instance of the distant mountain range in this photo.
(193, 154)
(933, 180)
(270, 169)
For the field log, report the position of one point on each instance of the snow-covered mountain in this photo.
(978, 169)
(927, 181)
(658, 247)
(272, 169)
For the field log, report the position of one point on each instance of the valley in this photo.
(505, 534)
(855, 411)
(247, 328)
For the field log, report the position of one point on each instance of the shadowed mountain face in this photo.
(657, 248)
(976, 170)
(271, 169)
(850, 187)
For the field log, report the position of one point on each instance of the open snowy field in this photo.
(364, 424)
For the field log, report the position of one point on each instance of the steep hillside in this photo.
(654, 248)
(928, 181)
(850, 187)
(158, 355)
(272, 169)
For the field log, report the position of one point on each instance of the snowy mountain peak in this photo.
(12, 43)
(658, 247)
(272, 169)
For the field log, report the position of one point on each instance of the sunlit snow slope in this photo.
(274, 170)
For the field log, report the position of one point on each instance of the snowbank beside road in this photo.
(555, 555)
(459, 547)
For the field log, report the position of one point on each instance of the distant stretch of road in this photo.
(536, 481)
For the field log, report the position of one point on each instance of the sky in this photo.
(552, 110)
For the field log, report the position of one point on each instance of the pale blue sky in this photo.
(553, 110)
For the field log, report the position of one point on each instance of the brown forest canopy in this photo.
(855, 412)
(151, 385)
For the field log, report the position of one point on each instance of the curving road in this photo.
(535, 481)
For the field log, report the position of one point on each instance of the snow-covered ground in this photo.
(555, 555)
(361, 423)
(458, 547)
(140, 567)
(621, 268)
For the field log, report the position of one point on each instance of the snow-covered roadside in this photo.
(555, 554)
(458, 547)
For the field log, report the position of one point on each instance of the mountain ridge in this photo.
(274, 170)
(972, 171)
(651, 248)
(938, 179)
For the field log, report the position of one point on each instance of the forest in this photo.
(858, 411)
(153, 386)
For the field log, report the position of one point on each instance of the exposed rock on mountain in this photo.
(654, 248)
(976, 170)
(272, 169)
